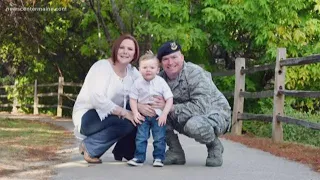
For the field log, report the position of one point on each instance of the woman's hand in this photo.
(158, 102)
(129, 115)
(138, 118)
(146, 110)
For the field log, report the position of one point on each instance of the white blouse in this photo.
(103, 90)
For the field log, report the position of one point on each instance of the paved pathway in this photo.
(240, 162)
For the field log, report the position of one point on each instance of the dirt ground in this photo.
(305, 154)
(33, 162)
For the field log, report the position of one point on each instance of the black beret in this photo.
(168, 48)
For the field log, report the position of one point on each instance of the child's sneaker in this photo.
(157, 163)
(135, 162)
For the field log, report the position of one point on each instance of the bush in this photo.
(291, 132)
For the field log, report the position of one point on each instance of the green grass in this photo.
(291, 133)
(17, 137)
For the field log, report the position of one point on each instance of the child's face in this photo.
(149, 68)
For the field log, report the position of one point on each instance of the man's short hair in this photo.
(168, 48)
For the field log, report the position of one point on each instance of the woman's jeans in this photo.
(143, 134)
(101, 135)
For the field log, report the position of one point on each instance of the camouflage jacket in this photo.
(195, 94)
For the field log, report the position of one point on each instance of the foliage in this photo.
(49, 44)
(306, 78)
(293, 133)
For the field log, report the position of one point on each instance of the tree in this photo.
(45, 45)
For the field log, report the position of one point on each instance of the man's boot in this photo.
(215, 150)
(175, 153)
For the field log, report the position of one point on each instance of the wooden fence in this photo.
(239, 94)
(60, 94)
(278, 94)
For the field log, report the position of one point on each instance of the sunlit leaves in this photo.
(305, 77)
(252, 29)
(213, 15)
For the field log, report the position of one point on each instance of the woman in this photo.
(99, 113)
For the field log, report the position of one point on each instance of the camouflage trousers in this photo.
(203, 129)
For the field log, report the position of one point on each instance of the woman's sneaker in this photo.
(135, 162)
(157, 163)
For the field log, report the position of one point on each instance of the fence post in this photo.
(15, 99)
(60, 92)
(35, 98)
(238, 101)
(278, 99)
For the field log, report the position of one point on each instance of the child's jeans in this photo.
(143, 134)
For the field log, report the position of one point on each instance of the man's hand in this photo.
(146, 110)
(158, 102)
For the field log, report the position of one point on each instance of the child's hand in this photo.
(138, 118)
(162, 120)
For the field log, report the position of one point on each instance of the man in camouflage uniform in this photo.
(200, 110)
